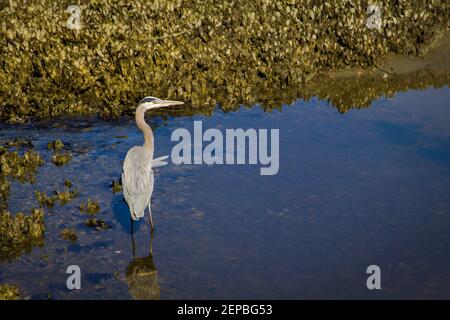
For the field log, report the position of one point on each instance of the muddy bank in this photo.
(204, 53)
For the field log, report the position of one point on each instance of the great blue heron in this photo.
(137, 172)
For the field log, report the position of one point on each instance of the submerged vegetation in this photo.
(201, 52)
(96, 223)
(60, 159)
(116, 186)
(20, 233)
(92, 208)
(68, 183)
(44, 200)
(21, 167)
(9, 292)
(64, 197)
(15, 165)
(18, 143)
(55, 145)
(69, 234)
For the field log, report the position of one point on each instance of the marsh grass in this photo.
(204, 53)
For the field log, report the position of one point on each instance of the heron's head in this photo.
(153, 103)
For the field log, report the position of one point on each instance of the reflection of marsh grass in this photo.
(204, 53)
(360, 92)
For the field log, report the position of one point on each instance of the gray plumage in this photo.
(137, 172)
(137, 180)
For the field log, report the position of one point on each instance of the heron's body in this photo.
(137, 172)
(137, 181)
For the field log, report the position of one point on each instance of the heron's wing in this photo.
(137, 182)
(159, 162)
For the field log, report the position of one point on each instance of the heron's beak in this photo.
(167, 103)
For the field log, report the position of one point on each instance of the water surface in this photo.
(370, 186)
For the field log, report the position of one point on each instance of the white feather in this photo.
(159, 162)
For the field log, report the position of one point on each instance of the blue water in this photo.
(368, 187)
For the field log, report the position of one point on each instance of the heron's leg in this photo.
(131, 224)
(151, 242)
(150, 214)
(133, 246)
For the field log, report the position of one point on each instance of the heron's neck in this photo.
(146, 130)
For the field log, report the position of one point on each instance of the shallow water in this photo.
(366, 187)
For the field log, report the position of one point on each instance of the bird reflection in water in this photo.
(142, 276)
(138, 183)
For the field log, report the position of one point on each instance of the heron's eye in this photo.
(151, 100)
